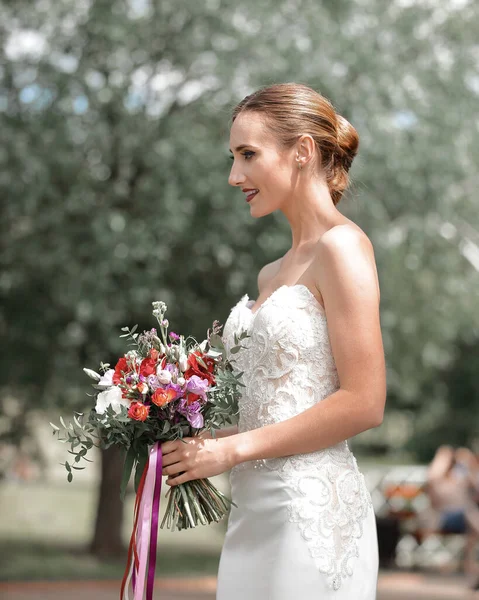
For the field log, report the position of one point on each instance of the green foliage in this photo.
(114, 120)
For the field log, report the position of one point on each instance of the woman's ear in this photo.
(305, 149)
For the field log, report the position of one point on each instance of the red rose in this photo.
(121, 365)
(190, 397)
(138, 411)
(147, 367)
(154, 354)
(195, 368)
(162, 397)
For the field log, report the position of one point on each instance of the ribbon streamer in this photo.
(143, 540)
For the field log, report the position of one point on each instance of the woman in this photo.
(313, 368)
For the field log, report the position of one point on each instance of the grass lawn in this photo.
(23, 561)
(45, 528)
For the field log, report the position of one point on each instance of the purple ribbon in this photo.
(147, 529)
(154, 524)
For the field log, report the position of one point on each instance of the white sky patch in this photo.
(138, 9)
(447, 230)
(472, 82)
(192, 90)
(80, 105)
(162, 81)
(95, 80)
(470, 251)
(25, 43)
(67, 63)
(404, 119)
(450, 5)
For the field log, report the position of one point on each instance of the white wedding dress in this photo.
(304, 528)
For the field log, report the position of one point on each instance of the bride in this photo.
(313, 368)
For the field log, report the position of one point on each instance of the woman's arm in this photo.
(219, 433)
(345, 273)
(440, 464)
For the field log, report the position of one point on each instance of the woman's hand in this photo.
(198, 458)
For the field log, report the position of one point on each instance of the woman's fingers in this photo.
(173, 469)
(170, 459)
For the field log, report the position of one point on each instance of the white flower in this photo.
(111, 397)
(183, 363)
(181, 381)
(107, 377)
(163, 376)
(92, 374)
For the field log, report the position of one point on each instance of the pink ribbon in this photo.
(147, 529)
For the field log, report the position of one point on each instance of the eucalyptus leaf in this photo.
(127, 468)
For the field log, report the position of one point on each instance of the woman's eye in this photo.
(247, 154)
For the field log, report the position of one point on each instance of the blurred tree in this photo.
(114, 118)
(452, 419)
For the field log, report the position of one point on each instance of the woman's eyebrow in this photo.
(242, 147)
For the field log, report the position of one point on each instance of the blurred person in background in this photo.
(453, 489)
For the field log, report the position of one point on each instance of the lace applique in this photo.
(288, 367)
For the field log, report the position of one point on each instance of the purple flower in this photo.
(173, 369)
(174, 336)
(128, 379)
(197, 385)
(178, 389)
(192, 412)
(153, 382)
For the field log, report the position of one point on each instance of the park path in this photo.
(391, 586)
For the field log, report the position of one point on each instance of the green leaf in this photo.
(216, 340)
(55, 427)
(201, 361)
(70, 477)
(140, 466)
(127, 467)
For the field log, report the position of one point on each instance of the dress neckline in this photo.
(296, 285)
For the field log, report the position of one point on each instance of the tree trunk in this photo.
(107, 540)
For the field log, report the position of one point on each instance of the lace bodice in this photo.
(288, 367)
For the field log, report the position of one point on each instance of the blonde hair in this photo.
(292, 109)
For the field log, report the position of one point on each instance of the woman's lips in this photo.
(251, 195)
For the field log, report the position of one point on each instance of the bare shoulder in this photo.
(345, 237)
(345, 250)
(267, 273)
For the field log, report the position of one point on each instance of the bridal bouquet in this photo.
(166, 387)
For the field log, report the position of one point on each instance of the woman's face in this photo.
(260, 165)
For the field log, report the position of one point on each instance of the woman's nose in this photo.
(236, 177)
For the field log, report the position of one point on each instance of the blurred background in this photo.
(114, 120)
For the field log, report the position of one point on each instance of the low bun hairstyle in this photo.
(293, 109)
